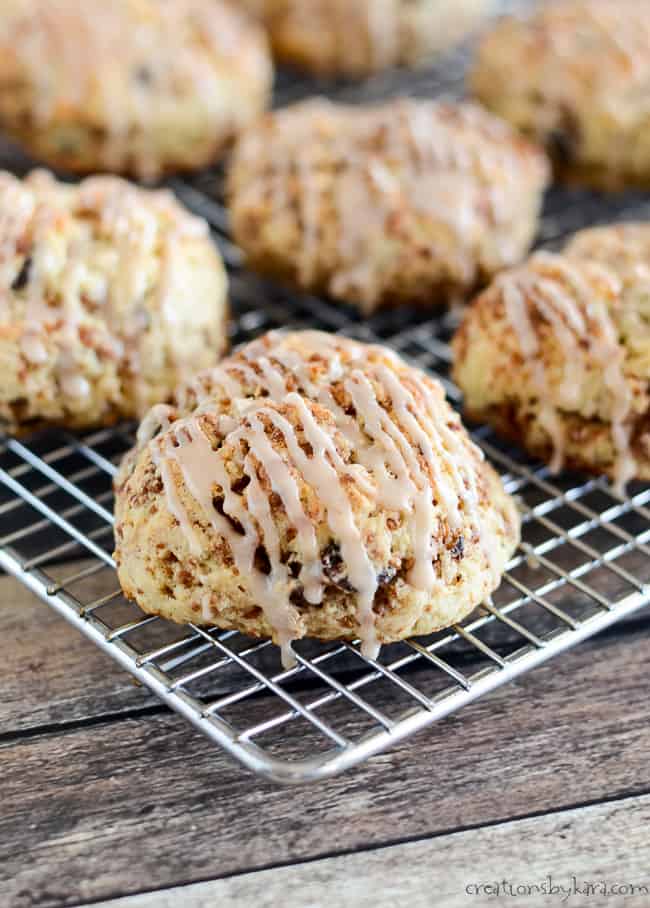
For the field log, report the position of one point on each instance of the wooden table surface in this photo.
(105, 795)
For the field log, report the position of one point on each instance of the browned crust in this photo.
(84, 164)
(417, 257)
(157, 569)
(246, 77)
(512, 422)
(513, 75)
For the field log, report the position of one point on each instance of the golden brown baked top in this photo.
(573, 329)
(100, 254)
(624, 249)
(123, 67)
(336, 36)
(591, 53)
(306, 443)
(372, 173)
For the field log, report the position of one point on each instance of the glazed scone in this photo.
(336, 37)
(109, 296)
(575, 76)
(129, 86)
(408, 202)
(556, 354)
(311, 486)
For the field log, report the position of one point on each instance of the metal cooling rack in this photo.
(582, 565)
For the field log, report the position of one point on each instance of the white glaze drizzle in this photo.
(163, 460)
(277, 611)
(405, 488)
(517, 313)
(203, 470)
(614, 26)
(283, 484)
(324, 471)
(451, 164)
(158, 419)
(33, 349)
(124, 60)
(407, 460)
(597, 59)
(86, 246)
(575, 315)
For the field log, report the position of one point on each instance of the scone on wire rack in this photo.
(411, 201)
(311, 486)
(109, 296)
(574, 74)
(556, 354)
(139, 87)
(336, 37)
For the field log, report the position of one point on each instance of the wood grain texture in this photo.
(448, 870)
(51, 674)
(123, 806)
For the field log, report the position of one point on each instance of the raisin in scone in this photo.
(109, 296)
(556, 354)
(575, 75)
(130, 86)
(311, 486)
(336, 37)
(411, 201)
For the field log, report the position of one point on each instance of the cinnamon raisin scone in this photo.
(129, 86)
(354, 39)
(556, 354)
(411, 201)
(575, 75)
(311, 486)
(109, 296)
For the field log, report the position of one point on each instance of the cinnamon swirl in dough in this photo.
(109, 296)
(556, 354)
(130, 86)
(337, 37)
(575, 75)
(311, 486)
(409, 202)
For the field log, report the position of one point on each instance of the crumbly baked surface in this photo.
(411, 201)
(311, 486)
(556, 353)
(109, 296)
(129, 86)
(354, 39)
(574, 75)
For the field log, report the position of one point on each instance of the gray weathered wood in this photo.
(139, 804)
(51, 674)
(606, 843)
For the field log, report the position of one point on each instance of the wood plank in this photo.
(565, 854)
(51, 674)
(141, 804)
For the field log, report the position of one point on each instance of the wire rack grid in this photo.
(582, 564)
